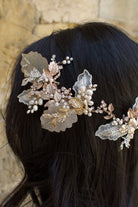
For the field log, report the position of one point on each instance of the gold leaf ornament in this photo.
(76, 103)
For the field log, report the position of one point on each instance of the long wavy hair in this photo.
(75, 168)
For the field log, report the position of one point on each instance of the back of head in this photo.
(76, 168)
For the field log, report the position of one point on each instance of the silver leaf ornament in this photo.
(109, 131)
(84, 79)
(33, 64)
(25, 96)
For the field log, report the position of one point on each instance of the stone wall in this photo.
(25, 21)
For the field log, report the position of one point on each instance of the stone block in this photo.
(123, 11)
(67, 11)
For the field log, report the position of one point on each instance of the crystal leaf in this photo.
(25, 96)
(135, 106)
(33, 61)
(59, 126)
(109, 131)
(59, 123)
(84, 79)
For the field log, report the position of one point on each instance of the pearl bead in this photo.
(85, 102)
(90, 109)
(35, 107)
(67, 57)
(28, 112)
(63, 88)
(89, 98)
(85, 112)
(56, 104)
(36, 102)
(62, 101)
(68, 61)
(121, 121)
(29, 107)
(51, 95)
(89, 114)
(32, 111)
(114, 123)
(131, 130)
(82, 88)
(79, 96)
(71, 58)
(89, 92)
(40, 101)
(31, 102)
(91, 103)
(64, 62)
(65, 92)
(117, 119)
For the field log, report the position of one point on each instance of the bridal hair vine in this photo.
(62, 108)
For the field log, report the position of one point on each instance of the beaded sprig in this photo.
(61, 107)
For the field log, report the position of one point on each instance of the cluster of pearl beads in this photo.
(117, 121)
(67, 60)
(85, 94)
(130, 126)
(103, 107)
(33, 104)
(65, 96)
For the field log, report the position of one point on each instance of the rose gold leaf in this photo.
(49, 89)
(107, 117)
(40, 84)
(130, 113)
(44, 96)
(57, 96)
(53, 68)
(111, 107)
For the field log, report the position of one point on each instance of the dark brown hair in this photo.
(75, 168)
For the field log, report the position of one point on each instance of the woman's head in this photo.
(76, 168)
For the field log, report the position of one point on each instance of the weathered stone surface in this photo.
(17, 20)
(67, 11)
(42, 30)
(123, 11)
(10, 169)
(16, 25)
